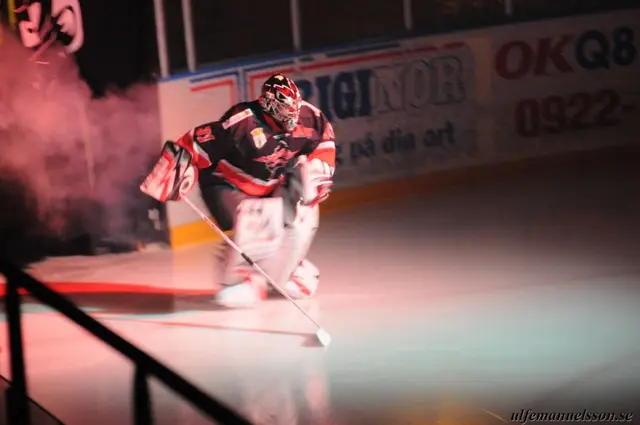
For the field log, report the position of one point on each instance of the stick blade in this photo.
(324, 337)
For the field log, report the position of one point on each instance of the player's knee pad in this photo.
(304, 281)
(258, 232)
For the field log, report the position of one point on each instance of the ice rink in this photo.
(458, 308)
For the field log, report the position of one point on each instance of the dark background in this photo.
(120, 50)
(242, 28)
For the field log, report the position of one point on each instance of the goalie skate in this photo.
(242, 295)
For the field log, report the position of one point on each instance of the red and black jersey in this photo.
(248, 149)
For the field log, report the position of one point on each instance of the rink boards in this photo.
(413, 113)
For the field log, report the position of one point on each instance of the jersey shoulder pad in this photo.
(312, 108)
(311, 116)
(235, 115)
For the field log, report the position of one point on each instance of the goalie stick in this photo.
(321, 335)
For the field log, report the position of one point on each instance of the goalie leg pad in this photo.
(299, 233)
(258, 232)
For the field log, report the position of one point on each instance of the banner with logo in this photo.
(566, 84)
(398, 110)
(418, 105)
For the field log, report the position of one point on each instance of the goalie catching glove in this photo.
(173, 175)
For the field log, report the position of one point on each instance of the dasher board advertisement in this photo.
(566, 84)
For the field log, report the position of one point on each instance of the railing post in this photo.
(508, 8)
(16, 396)
(141, 398)
(161, 38)
(296, 25)
(190, 45)
(407, 13)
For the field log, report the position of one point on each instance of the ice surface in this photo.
(459, 308)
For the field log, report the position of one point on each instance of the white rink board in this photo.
(442, 98)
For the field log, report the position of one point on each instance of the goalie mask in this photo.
(281, 99)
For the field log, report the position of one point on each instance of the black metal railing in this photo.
(38, 414)
(17, 401)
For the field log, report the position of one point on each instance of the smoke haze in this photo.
(60, 147)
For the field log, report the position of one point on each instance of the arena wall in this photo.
(416, 113)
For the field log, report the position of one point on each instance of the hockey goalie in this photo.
(262, 169)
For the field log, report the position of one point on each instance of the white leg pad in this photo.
(258, 232)
(301, 225)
